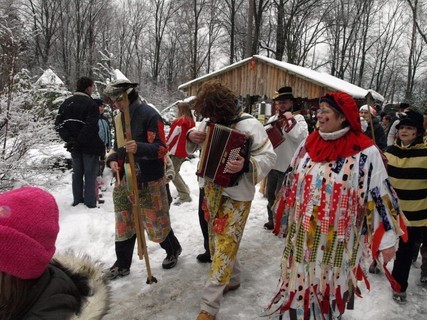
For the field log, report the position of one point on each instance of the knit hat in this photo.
(368, 108)
(99, 102)
(413, 119)
(283, 93)
(346, 105)
(28, 230)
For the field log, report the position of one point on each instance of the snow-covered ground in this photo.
(177, 293)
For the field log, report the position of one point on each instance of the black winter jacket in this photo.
(148, 131)
(70, 288)
(77, 124)
(380, 138)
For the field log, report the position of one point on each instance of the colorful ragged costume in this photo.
(227, 210)
(147, 130)
(339, 208)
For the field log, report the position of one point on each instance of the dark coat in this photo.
(148, 131)
(77, 124)
(70, 288)
(380, 137)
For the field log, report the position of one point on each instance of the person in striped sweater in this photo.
(407, 169)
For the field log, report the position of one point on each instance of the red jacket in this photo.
(177, 136)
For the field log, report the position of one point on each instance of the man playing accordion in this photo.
(227, 207)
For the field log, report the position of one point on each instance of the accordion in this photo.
(222, 144)
(275, 135)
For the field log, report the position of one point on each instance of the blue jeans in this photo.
(85, 171)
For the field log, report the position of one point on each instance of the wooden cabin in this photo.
(257, 78)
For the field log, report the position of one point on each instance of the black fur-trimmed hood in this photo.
(92, 286)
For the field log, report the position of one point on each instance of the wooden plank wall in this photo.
(263, 79)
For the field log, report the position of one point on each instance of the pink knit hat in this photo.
(28, 230)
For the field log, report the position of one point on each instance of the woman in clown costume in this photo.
(339, 208)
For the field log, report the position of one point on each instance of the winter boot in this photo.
(203, 315)
(373, 268)
(269, 225)
(204, 257)
(116, 272)
(399, 297)
(171, 259)
(230, 287)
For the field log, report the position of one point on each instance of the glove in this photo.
(72, 146)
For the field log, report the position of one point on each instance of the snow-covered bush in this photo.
(27, 134)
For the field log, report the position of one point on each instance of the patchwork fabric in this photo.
(154, 211)
(334, 209)
(125, 227)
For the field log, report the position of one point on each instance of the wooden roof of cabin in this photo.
(260, 76)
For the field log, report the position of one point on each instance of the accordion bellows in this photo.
(222, 144)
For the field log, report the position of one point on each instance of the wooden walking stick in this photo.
(134, 194)
(371, 123)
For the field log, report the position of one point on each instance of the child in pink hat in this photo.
(32, 284)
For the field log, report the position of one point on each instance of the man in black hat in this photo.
(294, 129)
(149, 149)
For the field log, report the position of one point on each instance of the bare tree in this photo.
(384, 59)
(45, 21)
(164, 10)
(421, 6)
(130, 38)
(416, 49)
(78, 22)
(251, 10)
(213, 24)
(260, 7)
(344, 24)
(231, 10)
(299, 27)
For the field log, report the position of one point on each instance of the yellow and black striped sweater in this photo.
(407, 169)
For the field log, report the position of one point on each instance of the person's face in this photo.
(101, 108)
(118, 102)
(407, 134)
(365, 114)
(386, 121)
(89, 90)
(284, 105)
(328, 119)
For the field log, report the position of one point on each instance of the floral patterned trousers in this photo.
(225, 234)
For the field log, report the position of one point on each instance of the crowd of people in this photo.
(351, 192)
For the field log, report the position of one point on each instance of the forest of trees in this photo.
(377, 44)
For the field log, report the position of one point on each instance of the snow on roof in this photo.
(321, 78)
(49, 78)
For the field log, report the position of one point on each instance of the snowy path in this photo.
(177, 294)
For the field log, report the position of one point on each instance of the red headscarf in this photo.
(351, 143)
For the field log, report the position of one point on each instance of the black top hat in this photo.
(284, 93)
(403, 105)
(413, 119)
